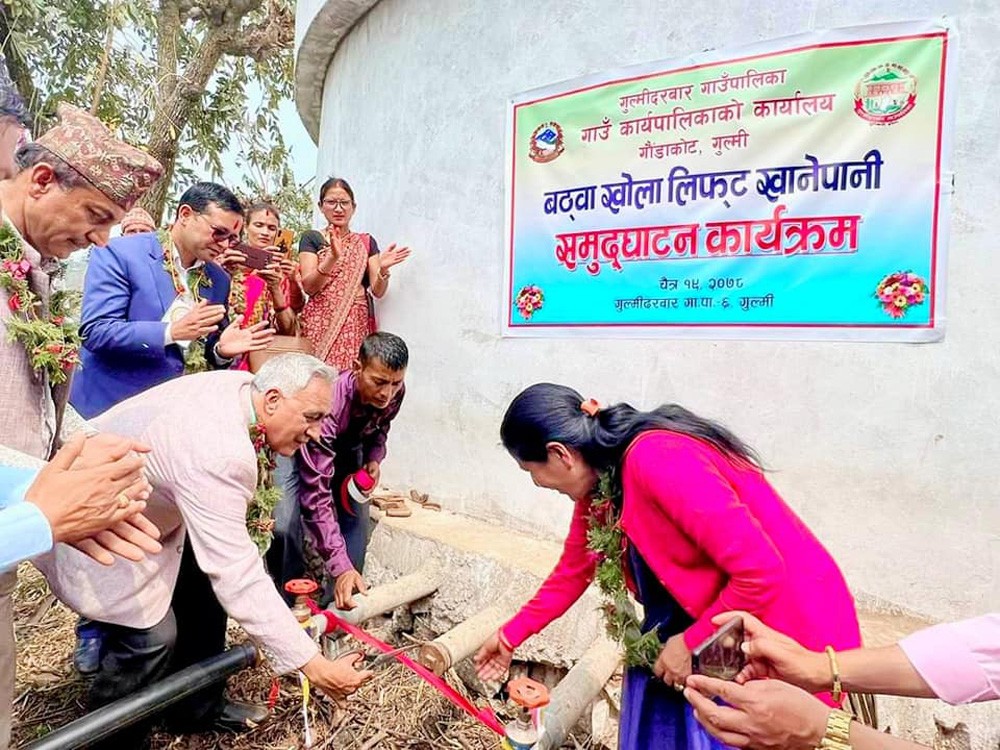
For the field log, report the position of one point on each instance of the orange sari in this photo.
(339, 317)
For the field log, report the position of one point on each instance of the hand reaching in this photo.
(235, 340)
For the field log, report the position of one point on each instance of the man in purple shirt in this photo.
(353, 436)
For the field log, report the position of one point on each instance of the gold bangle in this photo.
(838, 732)
(838, 689)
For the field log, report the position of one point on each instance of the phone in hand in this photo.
(721, 655)
(286, 238)
(257, 258)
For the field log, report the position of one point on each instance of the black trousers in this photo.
(193, 629)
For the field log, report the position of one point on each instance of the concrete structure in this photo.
(889, 452)
(486, 571)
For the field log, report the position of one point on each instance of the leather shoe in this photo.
(237, 716)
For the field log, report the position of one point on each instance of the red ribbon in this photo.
(484, 715)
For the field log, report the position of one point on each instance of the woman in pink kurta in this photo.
(704, 532)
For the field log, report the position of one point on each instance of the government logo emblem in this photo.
(546, 142)
(885, 94)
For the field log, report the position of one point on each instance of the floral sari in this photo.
(339, 317)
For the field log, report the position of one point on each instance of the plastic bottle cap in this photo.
(364, 480)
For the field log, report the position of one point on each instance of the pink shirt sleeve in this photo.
(691, 494)
(960, 661)
(565, 584)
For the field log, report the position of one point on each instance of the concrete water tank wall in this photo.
(890, 452)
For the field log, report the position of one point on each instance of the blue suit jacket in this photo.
(125, 295)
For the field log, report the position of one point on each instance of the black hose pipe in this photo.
(109, 719)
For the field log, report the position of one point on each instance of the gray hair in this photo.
(67, 177)
(290, 373)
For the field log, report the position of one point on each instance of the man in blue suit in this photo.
(145, 304)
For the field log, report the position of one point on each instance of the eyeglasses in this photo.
(337, 204)
(221, 234)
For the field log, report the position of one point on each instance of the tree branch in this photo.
(168, 28)
(259, 40)
(102, 68)
(18, 69)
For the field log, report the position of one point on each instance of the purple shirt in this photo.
(960, 661)
(351, 436)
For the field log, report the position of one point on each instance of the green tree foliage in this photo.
(188, 79)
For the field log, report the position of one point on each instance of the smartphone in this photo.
(721, 655)
(286, 238)
(256, 258)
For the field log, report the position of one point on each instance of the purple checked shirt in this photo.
(351, 436)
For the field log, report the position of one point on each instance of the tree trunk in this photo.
(173, 114)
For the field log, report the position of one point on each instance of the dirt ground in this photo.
(396, 710)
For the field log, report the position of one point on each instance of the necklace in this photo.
(606, 538)
(52, 340)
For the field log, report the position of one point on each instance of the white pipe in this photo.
(576, 691)
(385, 598)
(461, 641)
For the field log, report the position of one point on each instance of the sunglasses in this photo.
(221, 235)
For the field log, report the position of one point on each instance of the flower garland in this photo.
(238, 301)
(194, 356)
(605, 537)
(237, 294)
(260, 514)
(52, 342)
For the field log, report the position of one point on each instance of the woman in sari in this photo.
(342, 271)
(268, 293)
(676, 509)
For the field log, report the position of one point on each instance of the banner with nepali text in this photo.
(797, 188)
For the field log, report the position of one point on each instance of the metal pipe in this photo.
(577, 690)
(461, 641)
(386, 597)
(146, 703)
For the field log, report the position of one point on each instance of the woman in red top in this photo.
(704, 532)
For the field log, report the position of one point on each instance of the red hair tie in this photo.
(590, 407)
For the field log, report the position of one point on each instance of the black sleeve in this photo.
(312, 242)
(373, 247)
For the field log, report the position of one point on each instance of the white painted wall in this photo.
(890, 452)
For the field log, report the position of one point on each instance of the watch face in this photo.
(180, 307)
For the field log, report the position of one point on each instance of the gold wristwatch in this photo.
(838, 732)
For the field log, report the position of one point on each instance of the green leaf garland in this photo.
(52, 340)
(606, 538)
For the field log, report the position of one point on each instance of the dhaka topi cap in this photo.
(138, 218)
(120, 171)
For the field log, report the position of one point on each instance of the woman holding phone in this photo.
(263, 276)
(675, 508)
(342, 271)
